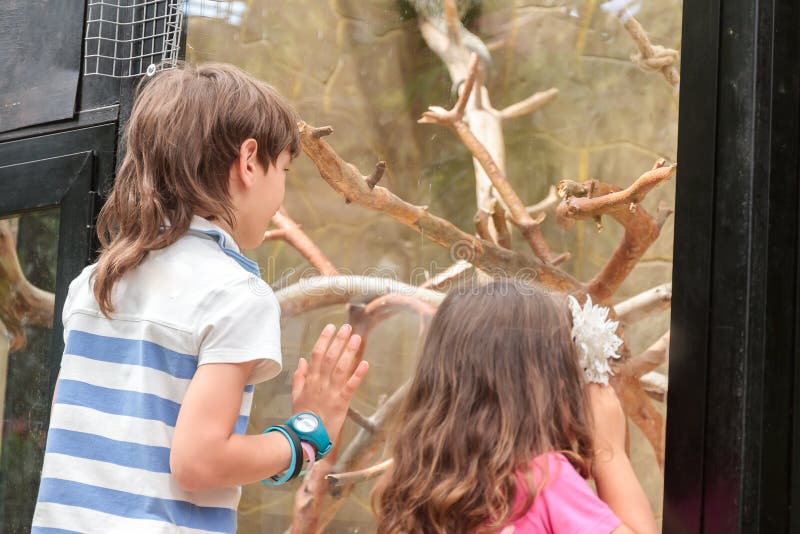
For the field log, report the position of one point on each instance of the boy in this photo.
(168, 332)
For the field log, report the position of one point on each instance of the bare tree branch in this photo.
(644, 304)
(296, 237)
(452, 21)
(592, 199)
(655, 385)
(649, 360)
(446, 277)
(377, 174)
(320, 291)
(359, 418)
(519, 216)
(365, 440)
(499, 218)
(546, 204)
(610, 197)
(21, 303)
(274, 234)
(362, 475)
(638, 406)
(531, 104)
(495, 260)
(481, 220)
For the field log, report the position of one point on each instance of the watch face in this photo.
(305, 423)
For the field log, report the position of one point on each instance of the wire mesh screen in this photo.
(127, 38)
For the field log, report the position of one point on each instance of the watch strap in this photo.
(297, 456)
(311, 454)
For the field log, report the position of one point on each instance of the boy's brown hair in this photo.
(186, 127)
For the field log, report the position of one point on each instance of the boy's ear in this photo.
(247, 161)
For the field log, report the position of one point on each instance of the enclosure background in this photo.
(363, 68)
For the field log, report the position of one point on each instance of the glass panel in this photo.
(366, 69)
(28, 255)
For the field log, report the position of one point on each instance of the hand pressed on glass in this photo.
(326, 385)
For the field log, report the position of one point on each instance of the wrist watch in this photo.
(309, 428)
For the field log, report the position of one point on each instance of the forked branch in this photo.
(593, 199)
(489, 257)
(454, 119)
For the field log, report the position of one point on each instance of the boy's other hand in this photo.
(326, 385)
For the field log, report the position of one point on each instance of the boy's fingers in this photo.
(299, 377)
(318, 352)
(354, 381)
(345, 363)
(335, 350)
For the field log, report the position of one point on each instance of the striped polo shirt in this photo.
(122, 381)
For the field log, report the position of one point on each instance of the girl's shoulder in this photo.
(564, 502)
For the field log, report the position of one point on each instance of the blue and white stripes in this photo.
(122, 382)
(112, 424)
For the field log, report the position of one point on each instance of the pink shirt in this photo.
(566, 505)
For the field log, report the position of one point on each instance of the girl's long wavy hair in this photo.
(497, 384)
(185, 130)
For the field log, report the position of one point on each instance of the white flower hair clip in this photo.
(596, 339)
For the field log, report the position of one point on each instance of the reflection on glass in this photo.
(28, 253)
(366, 69)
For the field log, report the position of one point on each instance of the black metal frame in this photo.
(64, 170)
(732, 458)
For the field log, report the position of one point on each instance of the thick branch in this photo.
(320, 291)
(644, 304)
(592, 199)
(21, 303)
(495, 260)
(300, 241)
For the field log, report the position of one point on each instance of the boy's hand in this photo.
(327, 384)
(609, 420)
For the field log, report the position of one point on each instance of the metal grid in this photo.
(126, 38)
(230, 11)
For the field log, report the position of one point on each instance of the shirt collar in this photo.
(207, 227)
(204, 228)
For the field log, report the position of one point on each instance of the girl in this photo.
(504, 428)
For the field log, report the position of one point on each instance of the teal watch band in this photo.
(309, 428)
(297, 456)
